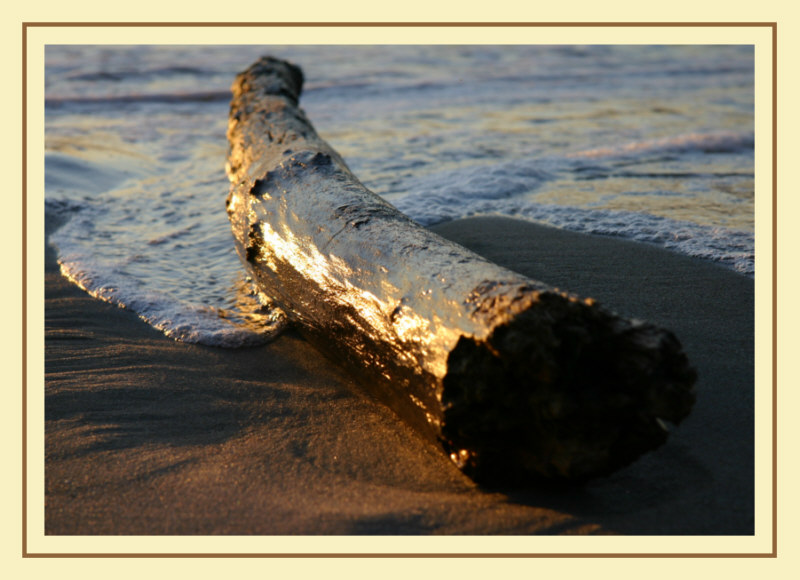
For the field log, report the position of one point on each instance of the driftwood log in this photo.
(515, 380)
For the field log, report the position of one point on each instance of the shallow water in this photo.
(653, 144)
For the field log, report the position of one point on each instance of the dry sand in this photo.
(149, 436)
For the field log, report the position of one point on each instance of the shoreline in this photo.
(277, 440)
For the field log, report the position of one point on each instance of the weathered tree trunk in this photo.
(516, 380)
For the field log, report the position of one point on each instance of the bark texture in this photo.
(516, 380)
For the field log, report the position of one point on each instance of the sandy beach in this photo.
(148, 436)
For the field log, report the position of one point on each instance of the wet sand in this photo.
(147, 436)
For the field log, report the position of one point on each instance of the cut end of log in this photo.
(269, 76)
(563, 391)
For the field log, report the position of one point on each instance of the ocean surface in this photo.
(649, 143)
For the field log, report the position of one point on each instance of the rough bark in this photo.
(516, 380)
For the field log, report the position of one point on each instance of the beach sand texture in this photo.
(147, 436)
